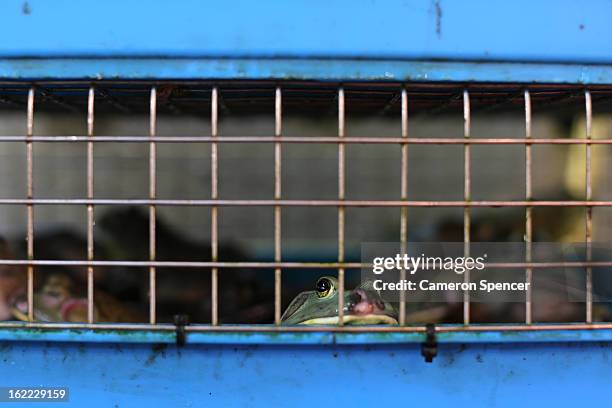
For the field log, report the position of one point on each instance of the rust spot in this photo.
(581, 27)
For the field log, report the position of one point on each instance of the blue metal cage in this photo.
(554, 49)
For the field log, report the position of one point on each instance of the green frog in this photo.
(363, 305)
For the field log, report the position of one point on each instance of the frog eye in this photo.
(325, 287)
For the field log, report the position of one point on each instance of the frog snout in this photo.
(363, 302)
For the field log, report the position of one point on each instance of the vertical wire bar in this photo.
(152, 208)
(589, 209)
(528, 209)
(30, 207)
(214, 230)
(90, 207)
(404, 196)
(277, 209)
(467, 195)
(341, 196)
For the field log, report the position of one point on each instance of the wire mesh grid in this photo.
(248, 98)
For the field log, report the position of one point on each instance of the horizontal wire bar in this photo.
(301, 139)
(283, 265)
(307, 328)
(299, 203)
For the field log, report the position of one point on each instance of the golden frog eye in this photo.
(324, 287)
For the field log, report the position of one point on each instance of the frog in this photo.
(57, 302)
(362, 306)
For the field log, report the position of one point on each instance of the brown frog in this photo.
(57, 302)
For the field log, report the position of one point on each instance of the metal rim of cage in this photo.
(412, 328)
(395, 97)
(242, 96)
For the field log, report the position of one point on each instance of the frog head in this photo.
(362, 305)
(54, 303)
